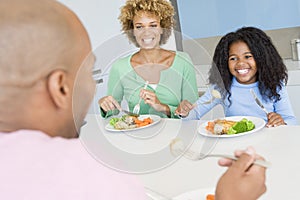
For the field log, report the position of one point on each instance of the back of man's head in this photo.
(41, 41)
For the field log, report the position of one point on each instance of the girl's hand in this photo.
(184, 108)
(151, 99)
(108, 103)
(274, 120)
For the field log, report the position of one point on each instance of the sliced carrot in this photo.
(137, 121)
(148, 119)
(142, 124)
(210, 126)
(210, 197)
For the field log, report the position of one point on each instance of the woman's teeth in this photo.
(147, 40)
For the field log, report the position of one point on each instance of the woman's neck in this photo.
(150, 55)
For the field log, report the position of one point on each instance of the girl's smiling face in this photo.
(241, 63)
(147, 30)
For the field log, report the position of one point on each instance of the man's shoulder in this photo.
(31, 153)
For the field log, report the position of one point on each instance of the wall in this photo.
(98, 16)
(207, 18)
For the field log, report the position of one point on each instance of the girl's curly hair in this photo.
(271, 71)
(160, 8)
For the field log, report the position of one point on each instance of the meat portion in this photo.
(120, 125)
(220, 126)
(127, 122)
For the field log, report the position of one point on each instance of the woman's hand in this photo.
(184, 108)
(108, 103)
(151, 99)
(274, 120)
(243, 179)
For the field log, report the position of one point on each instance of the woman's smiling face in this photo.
(147, 30)
(241, 63)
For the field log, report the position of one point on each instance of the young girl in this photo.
(246, 60)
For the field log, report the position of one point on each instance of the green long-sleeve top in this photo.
(176, 83)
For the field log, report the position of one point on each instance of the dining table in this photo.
(146, 153)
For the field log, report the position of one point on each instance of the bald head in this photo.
(36, 36)
(43, 49)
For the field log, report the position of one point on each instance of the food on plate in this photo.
(210, 197)
(223, 126)
(220, 126)
(129, 122)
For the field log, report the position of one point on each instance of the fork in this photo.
(215, 95)
(195, 156)
(136, 108)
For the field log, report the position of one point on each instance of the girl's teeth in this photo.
(242, 71)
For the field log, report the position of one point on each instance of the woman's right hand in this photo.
(108, 103)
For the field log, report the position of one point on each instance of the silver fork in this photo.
(177, 150)
(215, 95)
(136, 108)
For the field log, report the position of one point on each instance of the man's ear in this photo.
(59, 89)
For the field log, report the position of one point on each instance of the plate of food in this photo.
(200, 194)
(231, 126)
(130, 123)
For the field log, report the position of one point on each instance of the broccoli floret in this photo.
(113, 121)
(244, 120)
(241, 126)
(250, 125)
(231, 131)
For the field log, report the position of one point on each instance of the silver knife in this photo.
(258, 102)
(130, 113)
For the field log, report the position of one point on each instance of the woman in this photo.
(171, 75)
(247, 60)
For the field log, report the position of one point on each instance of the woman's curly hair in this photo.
(160, 8)
(271, 71)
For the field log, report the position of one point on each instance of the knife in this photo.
(130, 113)
(258, 102)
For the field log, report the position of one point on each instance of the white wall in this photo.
(98, 16)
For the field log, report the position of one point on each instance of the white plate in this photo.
(155, 119)
(259, 124)
(199, 194)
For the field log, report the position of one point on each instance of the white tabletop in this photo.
(146, 153)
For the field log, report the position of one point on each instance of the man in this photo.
(45, 67)
(46, 86)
